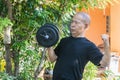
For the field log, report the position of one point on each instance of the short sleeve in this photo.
(94, 54)
(58, 47)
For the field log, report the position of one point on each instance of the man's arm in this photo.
(106, 58)
(51, 54)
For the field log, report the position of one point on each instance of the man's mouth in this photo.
(72, 30)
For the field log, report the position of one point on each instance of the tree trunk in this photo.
(9, 5)
(16, 62)
(7, 42)
(7, 39)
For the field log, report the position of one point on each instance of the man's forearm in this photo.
(51, 54)
(106, 58)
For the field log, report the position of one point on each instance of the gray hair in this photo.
(85, 17)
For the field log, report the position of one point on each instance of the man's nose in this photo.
(72, 25)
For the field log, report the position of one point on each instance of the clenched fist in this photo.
(105, 37)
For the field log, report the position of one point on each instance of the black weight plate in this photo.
(52, 26)
(47, 36)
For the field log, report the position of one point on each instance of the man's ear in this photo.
(86, 26)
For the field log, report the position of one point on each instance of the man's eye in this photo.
(74, 21)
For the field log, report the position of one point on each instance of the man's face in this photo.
(77, 26)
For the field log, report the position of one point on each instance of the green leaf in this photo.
(5, 22)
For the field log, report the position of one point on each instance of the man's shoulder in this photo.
(66, 38)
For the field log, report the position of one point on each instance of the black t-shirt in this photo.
(73, 54)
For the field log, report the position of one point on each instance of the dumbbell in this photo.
(47, 35)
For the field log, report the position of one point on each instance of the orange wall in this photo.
(97, 26)
(115, 27)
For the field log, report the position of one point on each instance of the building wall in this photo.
(115, 28)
